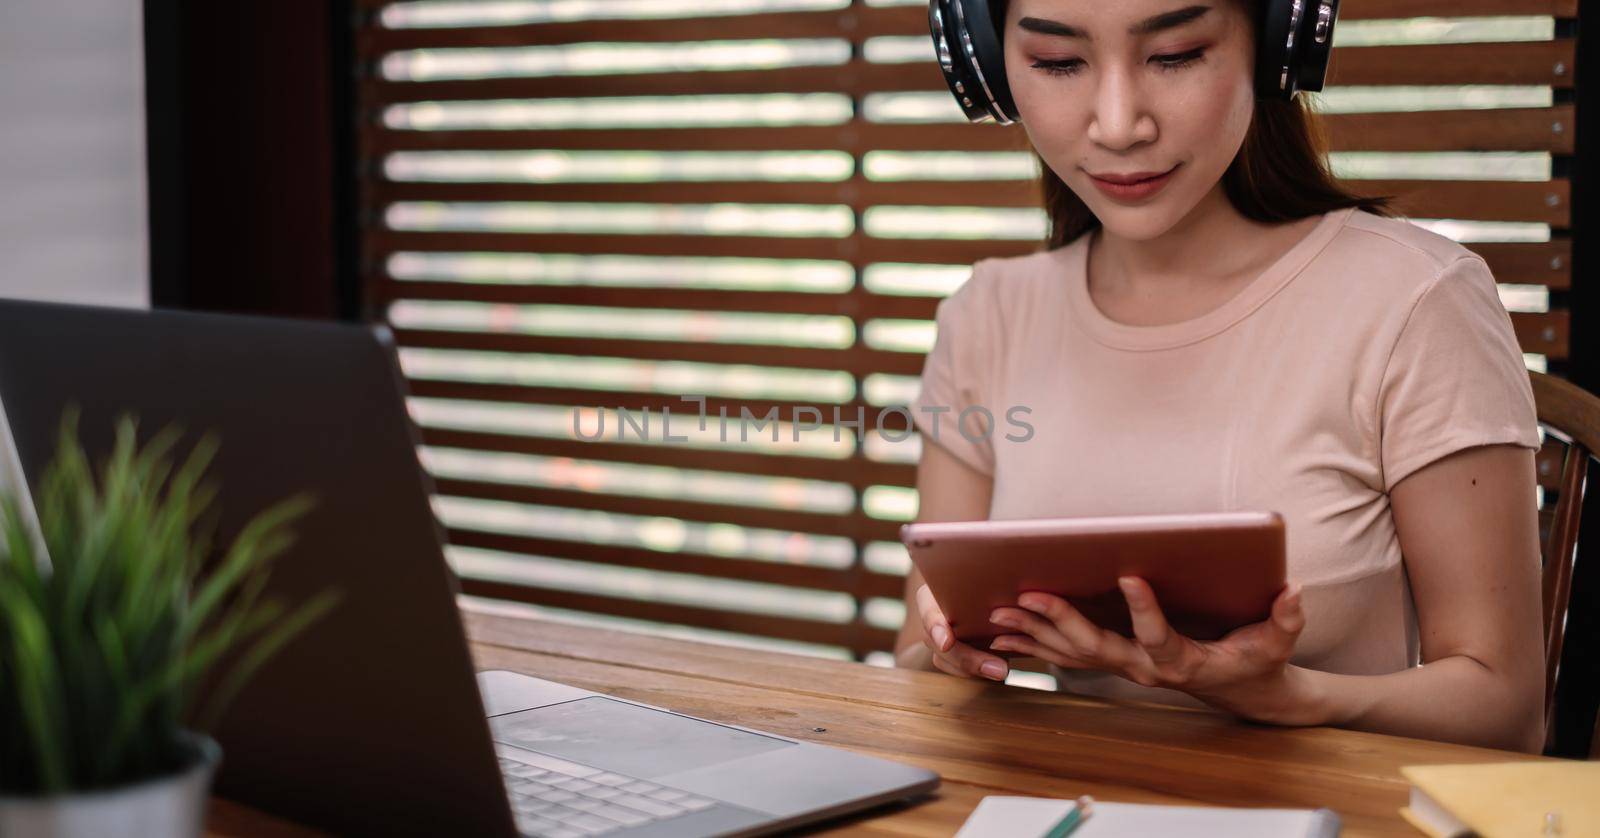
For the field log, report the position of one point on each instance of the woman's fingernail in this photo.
(940, 636)
(994, 669)
(1000, 618)
(1130, 590)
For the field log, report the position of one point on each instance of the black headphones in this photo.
(1291, 53)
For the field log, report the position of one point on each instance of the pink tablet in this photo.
(1211, 572)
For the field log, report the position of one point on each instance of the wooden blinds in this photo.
(577, 207)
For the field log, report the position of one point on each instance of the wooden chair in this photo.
(1572, 416)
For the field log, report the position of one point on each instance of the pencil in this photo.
(1072, 819)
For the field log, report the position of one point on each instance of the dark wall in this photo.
(251, 118)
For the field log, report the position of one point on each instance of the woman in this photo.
(1249, 336)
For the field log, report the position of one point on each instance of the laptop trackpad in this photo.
(625, 738)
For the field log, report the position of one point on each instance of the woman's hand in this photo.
(949, 656)
(1246, 672)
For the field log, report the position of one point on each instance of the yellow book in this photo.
(1505, 799)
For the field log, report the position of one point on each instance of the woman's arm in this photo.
(947, 490)
(1468, 529)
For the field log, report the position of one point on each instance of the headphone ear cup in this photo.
(1295, 45)
(1313, 66)
(989, 49)
(968, 48)
(1274, 79)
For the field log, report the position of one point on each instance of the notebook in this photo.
(1504, 799)
(1004, 816)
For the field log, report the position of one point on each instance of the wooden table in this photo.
(982, 737)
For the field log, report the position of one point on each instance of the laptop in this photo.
(374, 721)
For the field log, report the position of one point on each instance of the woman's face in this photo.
(1133, 86)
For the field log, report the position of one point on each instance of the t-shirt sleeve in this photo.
(957, 374)
(1456, 377)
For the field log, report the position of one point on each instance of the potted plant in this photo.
(114, 609)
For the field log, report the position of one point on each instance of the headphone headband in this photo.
(1292, 51)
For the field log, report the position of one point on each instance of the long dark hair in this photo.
(1280, 173)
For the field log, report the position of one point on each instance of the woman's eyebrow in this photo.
(1163, 21)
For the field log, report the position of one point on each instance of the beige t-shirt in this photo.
(1370, 349)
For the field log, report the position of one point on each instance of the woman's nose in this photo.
(1119, 118)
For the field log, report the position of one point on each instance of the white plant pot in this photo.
(174, 805)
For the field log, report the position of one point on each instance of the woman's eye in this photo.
(1069, 66)
(1180, 60)
(1058, 68)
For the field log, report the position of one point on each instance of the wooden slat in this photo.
(1548, 462)
(1544, 202)
(848, 525)
(1541, 333)
(861, 585)
(856, 78)
(1483, 129)
(856, 136)
(858, 304)
(858, 638)
(1525, 63)
(636, 401)
(858, 250)
(857, 193)
(1545, 334)
(1386, 9)
(1529, 263)
(860, 472)
(1544, 263)
(1530, 62)
(772, 247)
(858, 359)
(1478, 129)
(840, 23)
(858, 22)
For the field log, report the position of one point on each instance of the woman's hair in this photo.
(1280, 173)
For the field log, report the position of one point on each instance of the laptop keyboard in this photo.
(553, 798)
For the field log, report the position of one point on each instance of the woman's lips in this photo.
(1131, 192)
